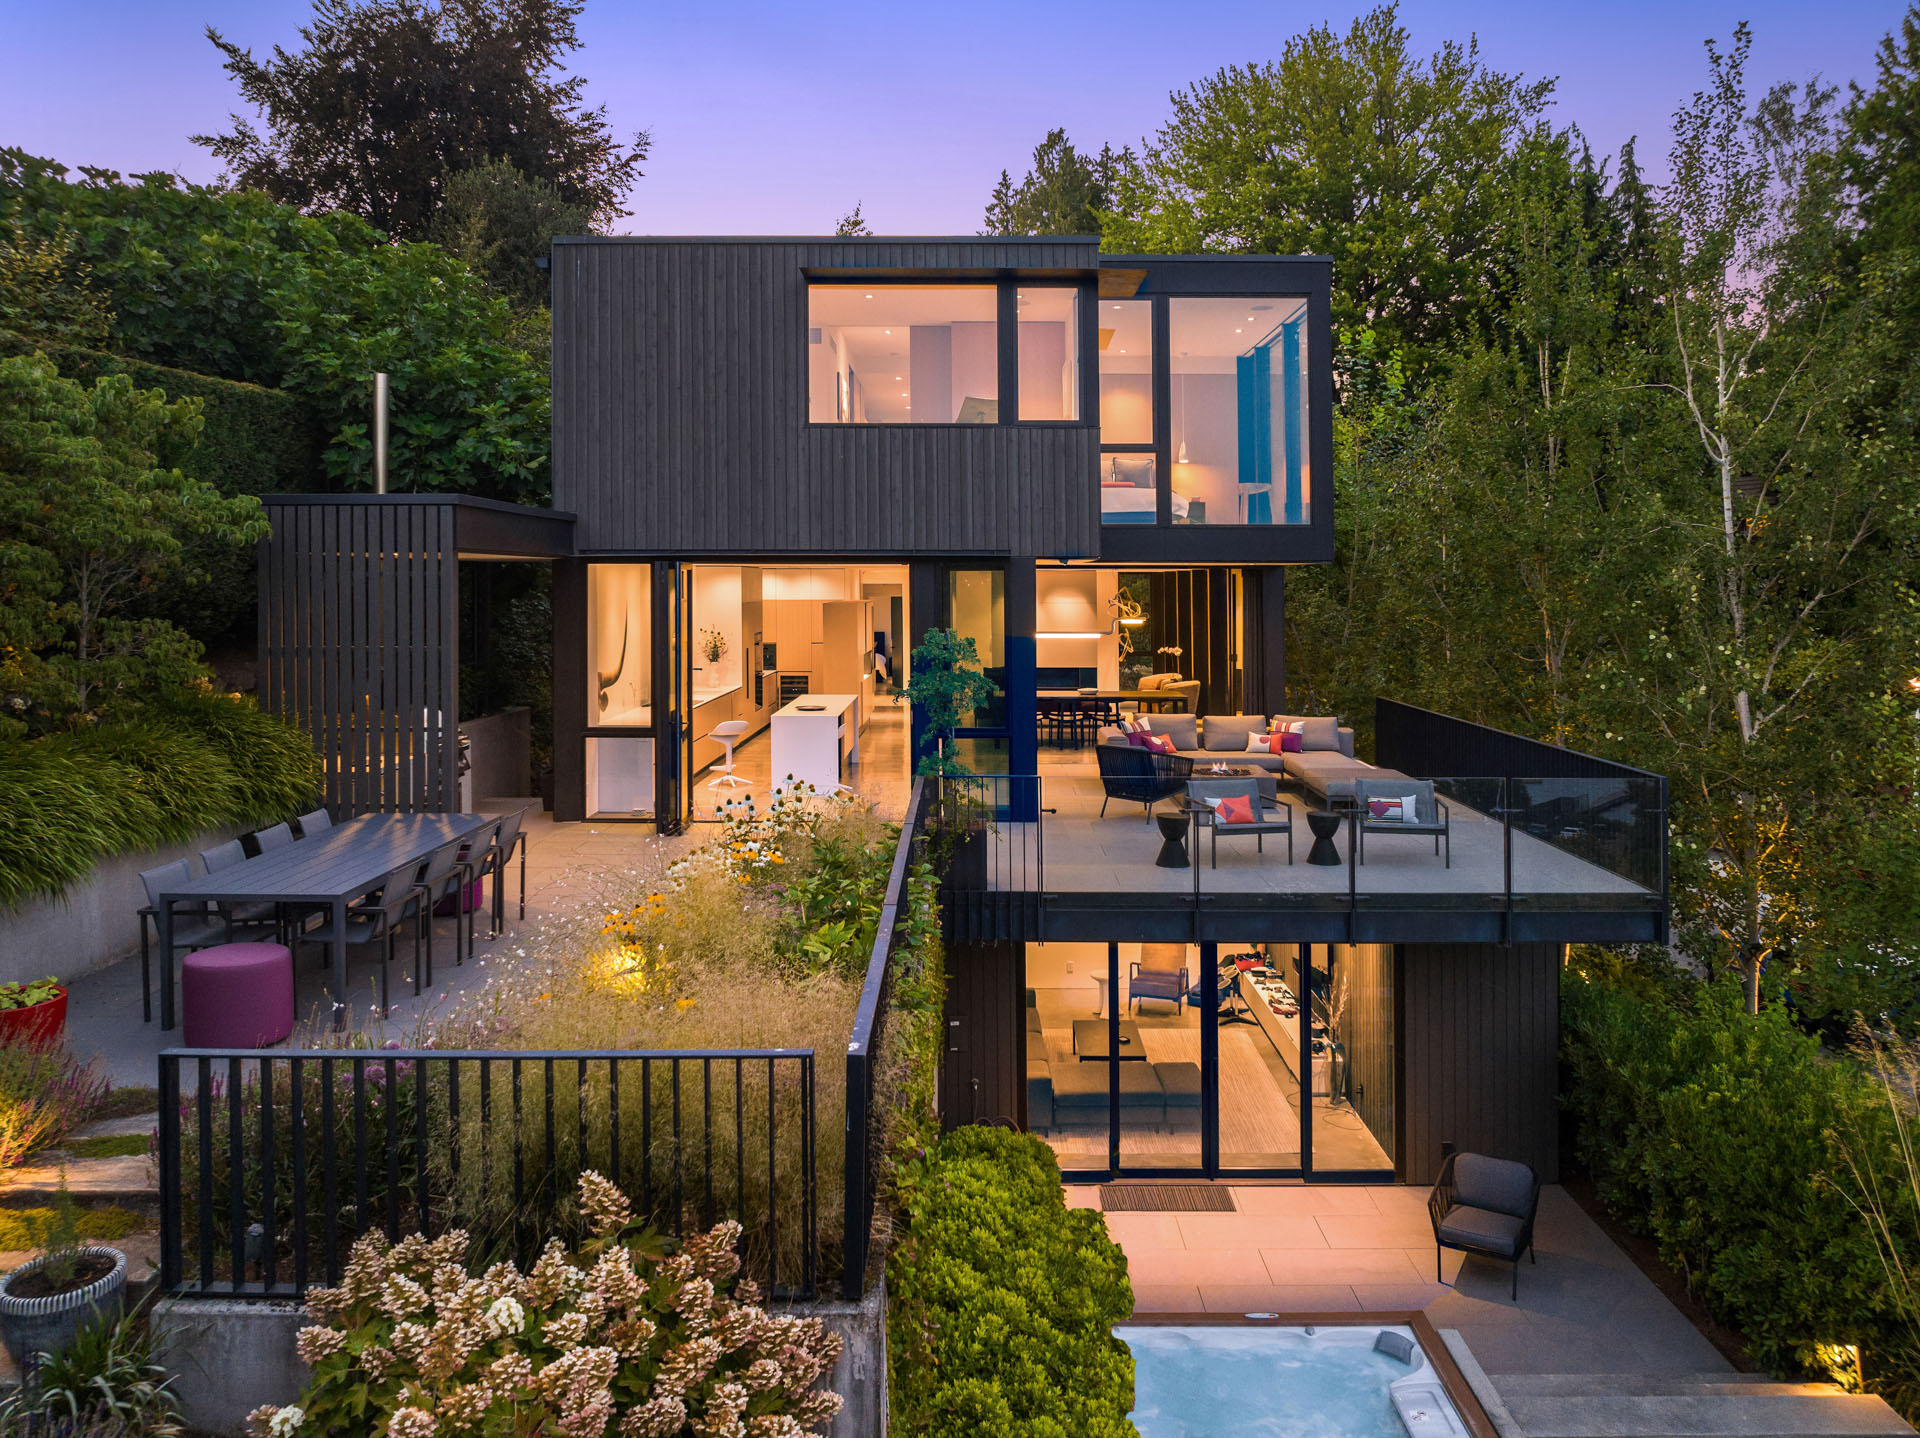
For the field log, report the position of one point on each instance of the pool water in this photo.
(1234, 1382)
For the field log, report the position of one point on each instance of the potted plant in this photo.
(44, 1303)
(713, 644)
(33, 1013)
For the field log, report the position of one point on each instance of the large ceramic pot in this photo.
(40, 1024)
(31, 1326)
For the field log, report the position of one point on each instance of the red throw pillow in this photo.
(1235, 809)
(1159, 743)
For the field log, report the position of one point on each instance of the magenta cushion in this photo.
(236, 996)
(1290, 743)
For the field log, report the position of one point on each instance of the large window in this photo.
(619, 644)
(903, 354)
(1049, 353)
(1238, 381)
(1129, 478)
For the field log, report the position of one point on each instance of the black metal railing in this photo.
(273, 1163)
(864, 1136)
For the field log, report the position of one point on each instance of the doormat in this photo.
(1166, 1198)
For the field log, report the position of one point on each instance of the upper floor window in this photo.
(1126, 372)
(903, 354)
(1049, 352)
(1239, 398)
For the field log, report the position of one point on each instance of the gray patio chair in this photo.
(375, 920)
(494, 858)
(316, 822)
(259, 914)
(278, 837)
(194, 927)
(1267, 818)
(1486, 1206)
(1430, 812)
(445, 874)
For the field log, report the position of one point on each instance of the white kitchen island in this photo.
(816, 738)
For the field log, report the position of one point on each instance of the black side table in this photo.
(1324, 824)
(1173, 837)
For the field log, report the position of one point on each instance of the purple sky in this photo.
(772, 119)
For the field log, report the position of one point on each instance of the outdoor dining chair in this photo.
(278, 837)
(376, 921)
(195, 928)
(493, 859)
(316, 822)
(259, 915)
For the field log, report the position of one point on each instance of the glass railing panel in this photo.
(1580, 841)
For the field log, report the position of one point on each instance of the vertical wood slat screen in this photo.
(359, 645)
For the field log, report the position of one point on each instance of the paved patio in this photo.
(1584, 1308)
(573, 872)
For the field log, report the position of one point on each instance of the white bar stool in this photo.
(728, 732)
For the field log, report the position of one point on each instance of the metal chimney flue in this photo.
(380, 433)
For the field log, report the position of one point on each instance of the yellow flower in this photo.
(683, 1004)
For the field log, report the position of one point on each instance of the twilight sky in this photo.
(776, 118)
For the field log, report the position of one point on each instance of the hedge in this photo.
(175, 770)
(1001, 1300)
(1748, 1154)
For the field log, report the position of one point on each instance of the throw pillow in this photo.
(1234, 809)
(1159, 743)
(1138, 739)
(1291, 743)
(1263, 743)
(1403, 810)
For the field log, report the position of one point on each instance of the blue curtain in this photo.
(1291, 418)
(1254, 373)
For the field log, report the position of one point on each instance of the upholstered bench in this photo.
(1080, 1095)
(236, 996)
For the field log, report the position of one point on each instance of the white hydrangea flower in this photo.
(285, 1422)
(504, 1316)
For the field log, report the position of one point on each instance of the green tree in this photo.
(88, 522)
(852, 224)
(497, 222)
(1353, 148)
(947, 684)
(233, 285)
(45, 294)
(389, 97)
(1065, 193)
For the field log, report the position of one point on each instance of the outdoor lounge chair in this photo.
(1139, 776)
(1486, 1206)
(1430, 812)
(1159, 973)
(1268, 818)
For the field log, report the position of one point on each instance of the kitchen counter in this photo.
(815, 739)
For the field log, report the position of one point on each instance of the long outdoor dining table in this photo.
(331, 869)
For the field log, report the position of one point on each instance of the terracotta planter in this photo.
(31, 1326)
(41, 1025)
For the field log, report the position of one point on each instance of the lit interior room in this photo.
(789, 669)
(1164, 999)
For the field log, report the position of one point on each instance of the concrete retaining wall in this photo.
(499, 754)
(94, 923)
(229, 1358)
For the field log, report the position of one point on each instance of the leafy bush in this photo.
(1002, 1300)
(187, 763)
(104, 1383)
(45, 1093)
(1716, 1132)
(616, 1336)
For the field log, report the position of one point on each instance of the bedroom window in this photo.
(1049, 352)
(1237, 380)
(1126, 371)
(903, 354)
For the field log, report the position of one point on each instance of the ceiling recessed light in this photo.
(1236, 329)
(887, 332)
(869, 296)
(899, 376)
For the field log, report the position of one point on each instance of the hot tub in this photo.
(1235, 1378)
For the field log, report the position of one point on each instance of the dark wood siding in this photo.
(680, 413)
(1479, 1034)
(359, 613)
(1367, 971)
(983, 1075)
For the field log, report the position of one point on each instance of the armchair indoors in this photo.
(1140, 776)
(1430, 814)
(1486, 1206)
(1159, 973)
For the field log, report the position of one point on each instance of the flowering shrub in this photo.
(44, 1095)
(614, 1341)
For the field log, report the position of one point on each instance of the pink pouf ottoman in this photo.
(236, 996)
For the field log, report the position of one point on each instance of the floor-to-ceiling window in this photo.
(1237, 372)
(620, 755)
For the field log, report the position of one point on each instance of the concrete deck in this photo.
(1584, 1308)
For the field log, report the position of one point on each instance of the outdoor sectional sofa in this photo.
(1324, 766)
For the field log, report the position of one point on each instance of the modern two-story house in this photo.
(789, 459)
(779, 464)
